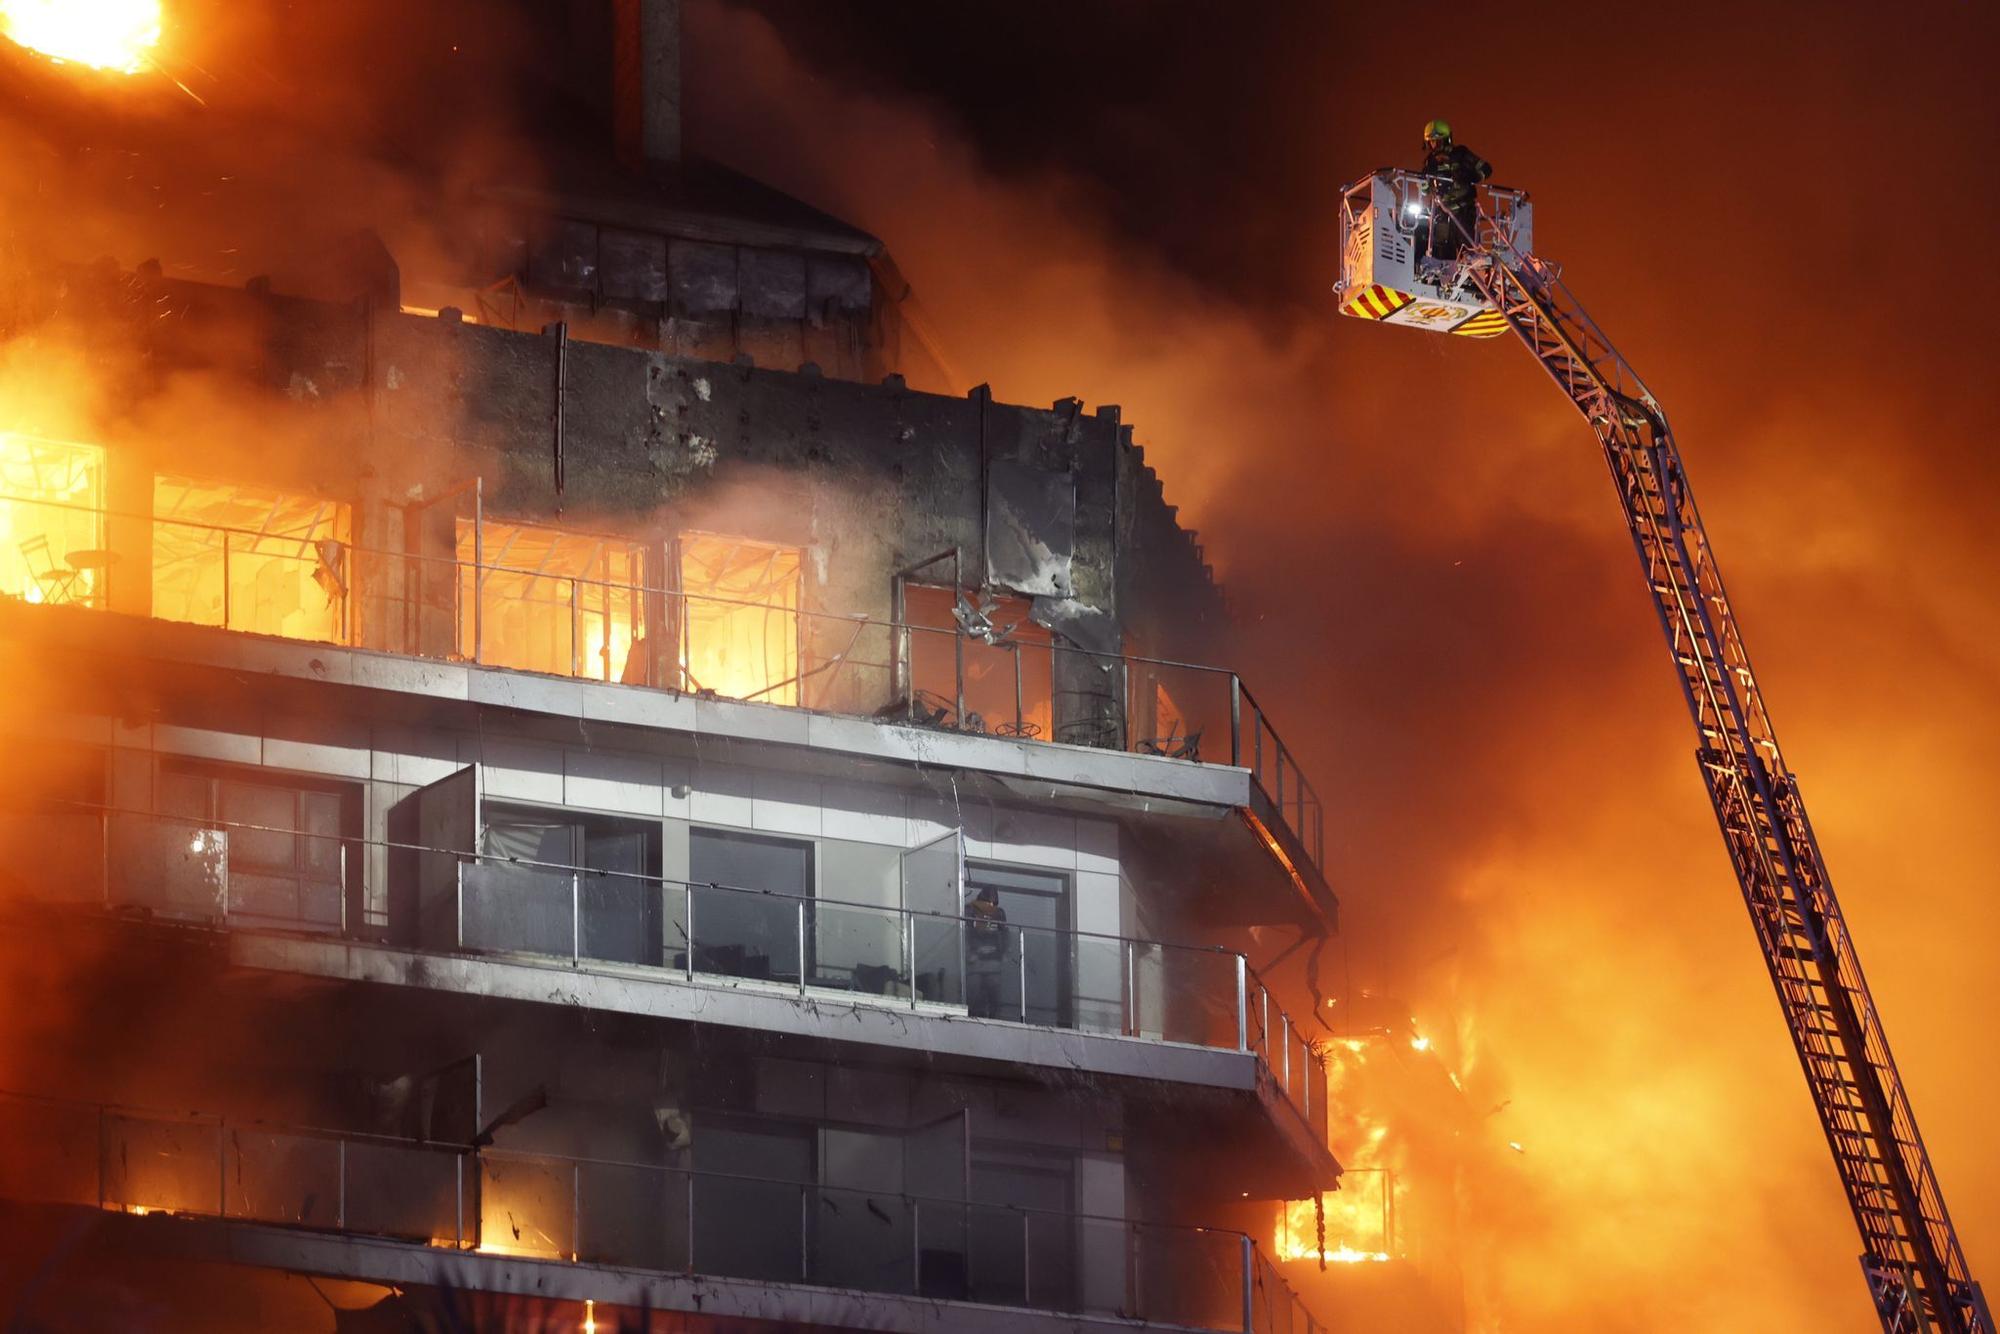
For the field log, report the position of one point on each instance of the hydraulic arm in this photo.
(1911, 1258)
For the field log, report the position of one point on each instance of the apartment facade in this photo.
(645, 831)
(560, 785)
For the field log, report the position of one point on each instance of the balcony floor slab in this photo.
(816, 1015)
(410, 1266)
(91, 651)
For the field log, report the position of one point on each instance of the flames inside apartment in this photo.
(591, 795)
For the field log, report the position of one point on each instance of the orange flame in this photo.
(1359, 1225)
(1352, 1216)
(112, 35)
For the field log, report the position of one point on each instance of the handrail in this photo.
(1262, 1288)
(1311, 1074)
(222, 1120)
(851, 618)
(1300, 809)
(1240, 990)
(467, 855)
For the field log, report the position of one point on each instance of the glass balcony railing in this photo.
(1077, 980)
(1022, 974)
(641, 1215)
(1288, 1057)
(116, 1158)
(704, 934)
(971, 677)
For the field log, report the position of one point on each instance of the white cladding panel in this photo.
(390, 761)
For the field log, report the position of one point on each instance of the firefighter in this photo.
(985, 953)
(1456, 172)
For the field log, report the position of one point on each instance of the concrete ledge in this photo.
(407, 1264)
(828, 1017)
(1120, 779)
(110, 650)
(1242, 1098)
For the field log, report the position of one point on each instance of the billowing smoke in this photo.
(1438, 597)
(1784, 226)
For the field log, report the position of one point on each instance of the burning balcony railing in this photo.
(131, 1161)
(704, 934)
(979, 675)
(289, 578)
(640, 1215)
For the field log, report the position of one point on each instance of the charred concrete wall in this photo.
(677, 283)
(1053, 504)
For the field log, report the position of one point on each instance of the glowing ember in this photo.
(103, 34)
(1346, 1256)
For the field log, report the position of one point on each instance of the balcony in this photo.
(571, 1227)
(591, 609)
(718, 954)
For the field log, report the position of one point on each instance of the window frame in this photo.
(814, 878)
(678, 597)
(348, 882)
(581, 825)
(1065, 929)
(341, 530)
(474, 623)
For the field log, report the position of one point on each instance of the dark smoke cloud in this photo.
(1774, 212)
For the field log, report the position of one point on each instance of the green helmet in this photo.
(1437, 131)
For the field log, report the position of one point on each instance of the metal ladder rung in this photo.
(1771, 851)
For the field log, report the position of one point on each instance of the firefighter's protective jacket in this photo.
(1459, 170)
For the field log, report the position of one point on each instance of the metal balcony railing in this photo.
(1290, 1058)
(971, 677)
(640, 1215)
(703, 934)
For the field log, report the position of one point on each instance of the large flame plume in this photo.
(115, 35)
(1386, 1093)
(1434, 576)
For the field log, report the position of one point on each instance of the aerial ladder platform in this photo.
(1915, 1270)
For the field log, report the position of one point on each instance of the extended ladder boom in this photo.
(1916, 1272)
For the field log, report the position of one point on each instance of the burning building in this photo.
(573, 781)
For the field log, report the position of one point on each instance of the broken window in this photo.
(740, 629)
(51, 521)
(251, 558)
(548, 600)
(1009, 660)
